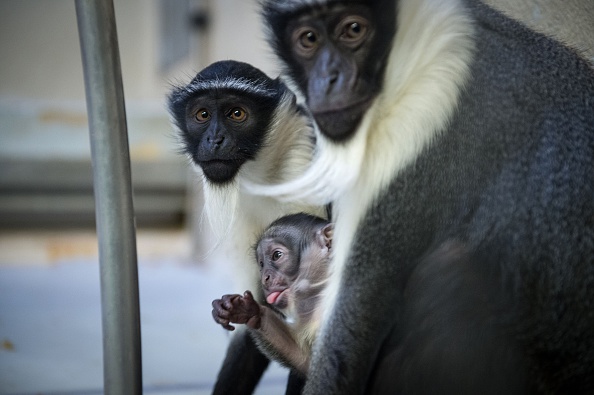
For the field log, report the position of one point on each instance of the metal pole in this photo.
(113, 197)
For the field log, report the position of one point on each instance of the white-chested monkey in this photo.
(294, 256)
(445, 120)
(236, 124)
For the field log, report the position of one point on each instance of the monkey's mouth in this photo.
(275, 297)
(340, 124)
(220, 171)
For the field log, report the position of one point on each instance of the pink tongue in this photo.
(272, 297)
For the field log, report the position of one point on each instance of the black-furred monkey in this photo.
(236, 124)
(294, 255)
(443, 122)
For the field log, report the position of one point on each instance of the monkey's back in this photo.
(512, 181)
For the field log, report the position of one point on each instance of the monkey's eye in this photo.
(352, 30)
(237, 114)
(306, 41)
(202, 115)
(276, 255)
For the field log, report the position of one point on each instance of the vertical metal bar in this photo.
(113, 197)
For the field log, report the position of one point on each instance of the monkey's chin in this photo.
(339, 125)
(220, 171)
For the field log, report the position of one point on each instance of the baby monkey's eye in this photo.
(276, 255)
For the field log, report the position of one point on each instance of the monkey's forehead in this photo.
(234, 84)
(291, 5)
(296, 5)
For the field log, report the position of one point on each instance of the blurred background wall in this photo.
(45, 171)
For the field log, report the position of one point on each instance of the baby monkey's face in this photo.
(279, 267)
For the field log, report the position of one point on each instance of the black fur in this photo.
(242, 368)
(295, 384)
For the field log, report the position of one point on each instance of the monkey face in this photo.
(337, 55)
(223, 116)
(278, 269)
(223, 132)
(293, 255)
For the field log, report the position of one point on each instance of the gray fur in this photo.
(510, 182)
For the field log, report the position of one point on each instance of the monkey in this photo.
(441, 120)
(294, 257)
(237, 124)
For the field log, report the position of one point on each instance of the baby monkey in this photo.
(294, 258)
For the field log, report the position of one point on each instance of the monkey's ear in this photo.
(324, 236)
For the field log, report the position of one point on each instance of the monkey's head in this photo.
(336, 53)
(293, 254)
(223, 115)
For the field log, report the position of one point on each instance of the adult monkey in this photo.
(446, 123)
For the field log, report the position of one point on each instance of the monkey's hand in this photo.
(237, 309)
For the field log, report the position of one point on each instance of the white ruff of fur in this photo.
(287, 151)
(427, 67)
(220, 208)
(324, 181)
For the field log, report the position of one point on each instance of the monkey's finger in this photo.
(220, 313)
(222, 321)
(218, 309)
(229, 300)
(248, 295)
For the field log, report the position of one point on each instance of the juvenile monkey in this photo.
(294, 254)
(237, 125)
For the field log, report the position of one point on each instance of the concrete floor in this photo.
(50, 319)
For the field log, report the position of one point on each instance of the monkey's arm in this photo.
(277, 340)
(272, 334)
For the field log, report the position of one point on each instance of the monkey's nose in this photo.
(266, 280)
(216, 140)
(332, 78)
